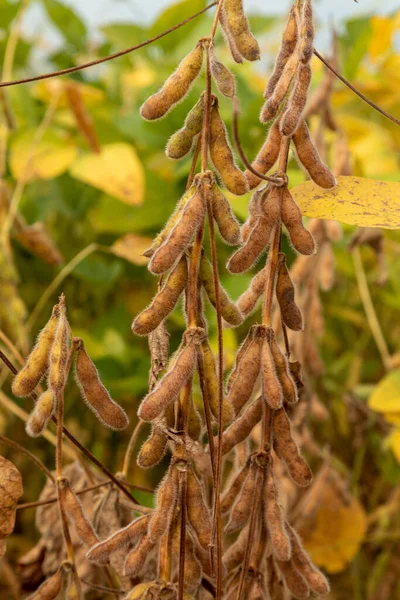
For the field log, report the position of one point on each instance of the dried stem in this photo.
(20, 448)
(131, 446)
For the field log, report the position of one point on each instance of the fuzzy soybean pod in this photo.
(241, 351)
(153, 449)
(229, 310)
(285, 291)
(273, 103)
(237, 57)
(306, 45)
(255, 211)
(294, 581)
(223, 77)
(234, 555)
(228, 225)
(181, 234)
(131, 534)
(74, 510)
(241, 428)
(59, 354)
(241, 510)
(310, 159)
(30, 376)
(136, 560)
(234, 487)
(211, 384)
(171, 384)
(181, 142)
(222, 156)
(198, 512)
(239, 27)
(300, 237)
(297, 102)
(247, 373)
(41, 414)
(176, 87)
(248, 300)
(164, 302)
(283, 373)
(274, 521)
(267, 156)
(193, 569)
(172, 221)
(302, 562)
(166, 500)
(288, 46)
(95, 394)
(50, 588)
(288, 451)
(271, 386)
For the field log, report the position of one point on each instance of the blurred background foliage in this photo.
(102, 190)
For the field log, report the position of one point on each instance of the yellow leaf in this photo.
(393, 418)
(48, 158)
(386, 395)
(381, 38)
(355, 200)
(335, 525)
(131, 247)
(393, 442)
(47, 89)
(117, 171)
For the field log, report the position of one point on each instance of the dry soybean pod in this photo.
(234, 554)
(239, 354)
(288, 46)
(255, 211)
(241, 428)
(164, 302)
(95, 394)
(41, 414)
(239, 27)
(234, 486)
(176, 87)
(273, 103)
(302, 562)
(285, 291)
(171, 384)
(297, 102)
(288, 451)
(136, 560)
(222, 156)
(241, 509)
(247, 372)
(74, 510)
(31, 374)
(282, 370)
(300, 237)
(237, 57)
(59, 353)
(294, 581)
(271, 386)
(166, 500)
(181, 142)
(248, 300)
(223, 77)
(183, 231)
(50, 588)
(306, 45)
(310, 159)
(198, 512)
(267, 156)
(211, 383)
(193, 568)
(131, 534)
(153, 449)
(228, 225)
(229, 310)
(244, 258)
(274, 521)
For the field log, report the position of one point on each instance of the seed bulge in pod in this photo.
(166, 499)
(222, 156)
(257, 241)
(247, 372)
(288, 46)
(241, 428)
(95, 394)
(294, 581)
(176, 87)
(239, 354)
(239, 27)
(198, 512)
(182, 233)
(234, 554)
(234, 486)
(164, 302)
(223, 77)
(273, 103)
(288, 451)
(41, 414)
(301, 239)
(59, 353)
(136, 560)
(283, 372)
(181, 142)
(241, 509)
(131, 534)
(248, 300)
(274, 518)
(302, 562)
(212, 387)
(291, 314)
(237, 57)
(306, 45)
(50, 588)
(271, 386)
(30, 375)
(267, 156)
(229, 310)
(228, 225)
(193, 570)
(297, 102)
(74, 510)
(310, 159)
(153, 449)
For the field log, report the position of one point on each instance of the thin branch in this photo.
(99, 61)
(23, 450)
(355, 90)
(102, 588)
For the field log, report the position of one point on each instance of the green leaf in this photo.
(123, 35)
(67, 21)
(173, 15)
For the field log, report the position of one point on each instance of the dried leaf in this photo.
(132, 248)
(35, 239)
(10, 490)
